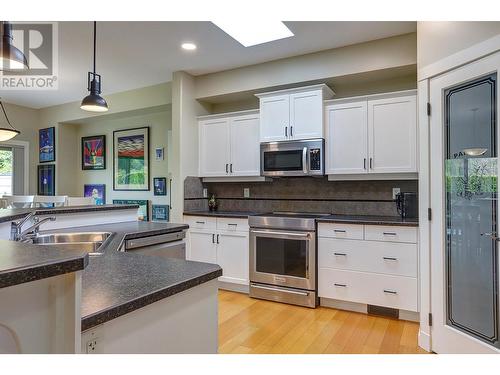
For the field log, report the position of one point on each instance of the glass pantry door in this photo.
(465, 280)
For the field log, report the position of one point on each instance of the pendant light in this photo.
(7, 133)
(474, 151)
(11, 58)
(94, 102)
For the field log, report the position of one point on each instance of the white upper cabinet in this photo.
(229, 144)
(275, 117)
(245, 145)
(347, 133)
(293, 113)
(372, 135)
(214, 147)
(392, 134)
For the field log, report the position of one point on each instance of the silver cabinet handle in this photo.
(389, 234)
(231, 167)
(371, 163)
(291, 131)
(232, 225)
(213, 238)
(304, 160)
(390, 291)
(390, 258)
(340, 254)
(340, 285)
(286, 131)
(200, 222)
(279, 290)
(364, 163)
(217, 239)
(227, 165)
(339, 230)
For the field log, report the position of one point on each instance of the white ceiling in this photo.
(138, 54)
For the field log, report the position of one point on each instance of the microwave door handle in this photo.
(304, 160)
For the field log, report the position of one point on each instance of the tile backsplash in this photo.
(302, 194)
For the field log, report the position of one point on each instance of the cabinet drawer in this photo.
(201, 222)
(391, 233)
(334, 230)
(390, 258)
(396, 292)
(232, 225)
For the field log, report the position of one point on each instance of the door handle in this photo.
(340, 285)
(340, 254)
(371, 163)
(213, 238)
(231, 167)
(390, 291)
(286, 131)
(364, 163)
(170, 194)
(291, 131)
(217, 239)
(227, 165)
(288, 234)
(390, 258)
(304, 160)
(339, 230)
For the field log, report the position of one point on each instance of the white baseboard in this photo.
(424, 340)
(240, 288)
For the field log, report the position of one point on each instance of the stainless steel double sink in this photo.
(90, 242)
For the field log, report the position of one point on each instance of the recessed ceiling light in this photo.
(188, 46)
(250, 33)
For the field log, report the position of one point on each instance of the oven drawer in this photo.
(232, 225)
(337, 230)
(390, 258)
(396, 292)
(391, 233)
(201, 222)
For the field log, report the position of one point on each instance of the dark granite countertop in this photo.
(235, 214)
(116, 283)
(18, 213)
(21, 263)
(368, 219)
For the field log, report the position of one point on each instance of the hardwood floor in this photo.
(249, 325)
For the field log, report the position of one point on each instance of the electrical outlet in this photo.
(395, 191)
(205, 193)
(246, 193)
(92, 346)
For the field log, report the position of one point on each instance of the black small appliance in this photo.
(407, 205)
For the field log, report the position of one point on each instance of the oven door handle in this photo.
(304, 160)
(291, 234)
(280, 290)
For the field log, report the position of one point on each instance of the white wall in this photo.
(437, 40)
(398, 51)
(160, 123)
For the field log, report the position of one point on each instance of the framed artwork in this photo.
(160, 212)
(47, 145)
(46, 179)
(94, 152)
(131, 159)
(160, 185)
(96, 191)
(159, 151)
(143, 207)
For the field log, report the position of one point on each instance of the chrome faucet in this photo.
(16, 227)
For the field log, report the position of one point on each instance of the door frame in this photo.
(437, 203)
(26, 147)
(425, 74)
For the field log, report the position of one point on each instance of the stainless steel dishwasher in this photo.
(170, 245)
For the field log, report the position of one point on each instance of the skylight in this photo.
(251, 33)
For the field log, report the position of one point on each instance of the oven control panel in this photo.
(315, 159)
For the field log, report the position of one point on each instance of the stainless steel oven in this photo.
(292, 158)
(283, 258)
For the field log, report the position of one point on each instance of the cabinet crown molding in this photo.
(327, 91)
(229, 114)
(383, 95)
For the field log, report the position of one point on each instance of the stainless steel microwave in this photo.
(293, 158)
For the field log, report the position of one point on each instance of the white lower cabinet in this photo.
(223, 241)
(375, 265)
